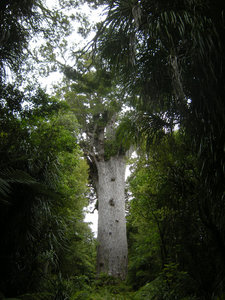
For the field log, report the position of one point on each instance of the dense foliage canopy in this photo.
(43, 177)
(170, 57)
(167, 60)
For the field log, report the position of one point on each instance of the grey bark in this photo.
(112, 238)
(108, 178)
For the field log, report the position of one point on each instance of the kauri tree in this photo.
(97, 103)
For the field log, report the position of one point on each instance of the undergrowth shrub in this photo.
(171, 284)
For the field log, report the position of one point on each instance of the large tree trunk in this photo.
(112, 239)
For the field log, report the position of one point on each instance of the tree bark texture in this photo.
(112, 238)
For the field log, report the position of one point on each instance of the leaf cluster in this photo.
(166, 231)
(17, 21)
(42, 193)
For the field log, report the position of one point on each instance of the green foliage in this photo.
(165, 232)
(16, 19)
(170, 57)
(43, 192)
(117, 145)
(36, 296)
(160, 288)
(106, 280)
(163, 53)
(104, 287)
(96, 100)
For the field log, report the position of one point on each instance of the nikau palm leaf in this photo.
(10, 177)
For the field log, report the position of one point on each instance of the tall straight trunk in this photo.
(112, 238)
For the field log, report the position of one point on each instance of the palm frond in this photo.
(10, 177)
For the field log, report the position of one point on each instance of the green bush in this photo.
(171, 284)
(106, 280)
(36, 296)
(81, 295)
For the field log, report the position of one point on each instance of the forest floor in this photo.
(110, 292)
(103, 295)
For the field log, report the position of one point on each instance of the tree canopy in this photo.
(163, 60)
